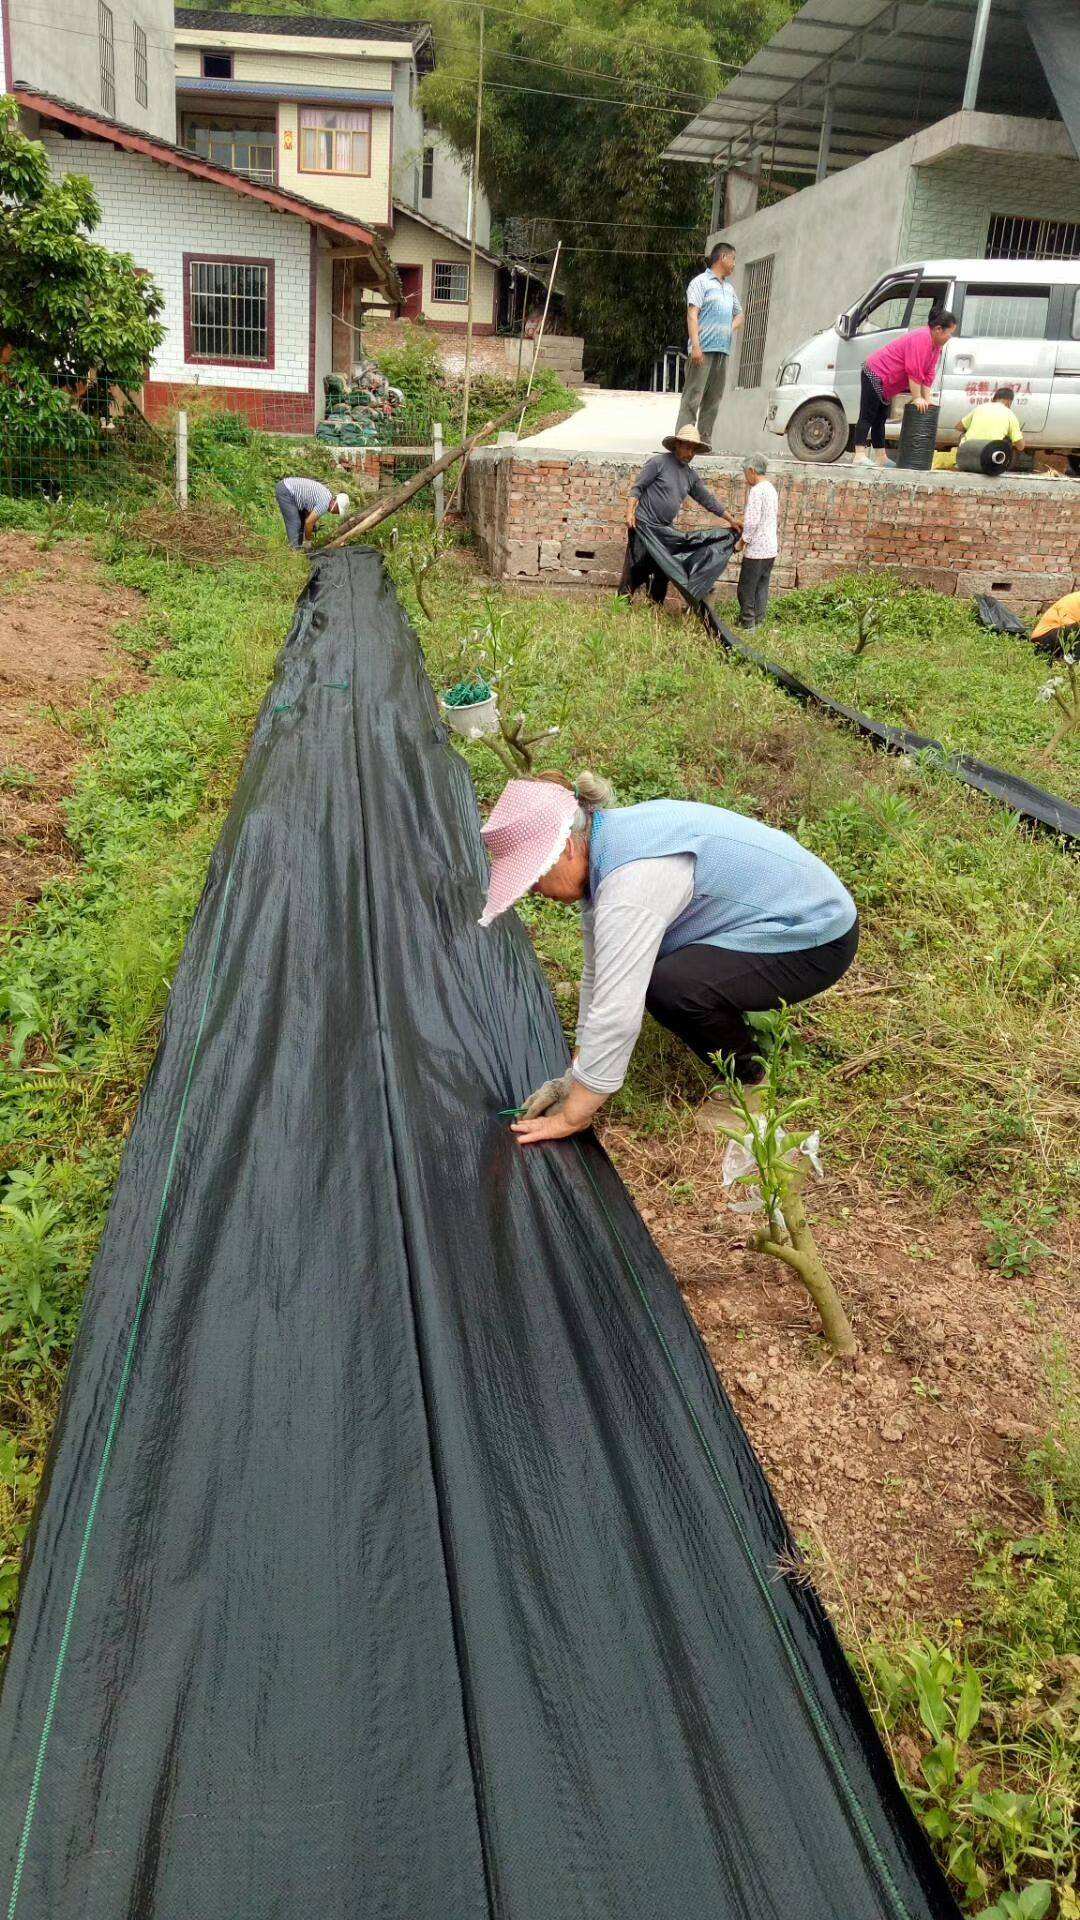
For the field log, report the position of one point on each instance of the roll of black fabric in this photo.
(992, 457)
(918, 438)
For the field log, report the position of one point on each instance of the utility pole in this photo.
(474, 197)
(975, 61)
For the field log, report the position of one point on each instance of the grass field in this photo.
(930, 665)
(947, 1079)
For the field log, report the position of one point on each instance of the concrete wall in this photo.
(559, 519)
(952, 202)
(829, 243)
(449, 201)
(157, 216)
(56, 49)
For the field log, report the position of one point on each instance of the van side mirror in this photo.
(845, 325)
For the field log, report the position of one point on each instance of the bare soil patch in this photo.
(58, 651)
(887, 1469)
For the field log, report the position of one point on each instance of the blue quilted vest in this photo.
(755, 890)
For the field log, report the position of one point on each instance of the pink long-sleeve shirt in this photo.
(912, 357)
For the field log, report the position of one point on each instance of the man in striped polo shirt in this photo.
(302, 503)
(713, 316)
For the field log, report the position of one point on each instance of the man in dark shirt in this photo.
(658, 494)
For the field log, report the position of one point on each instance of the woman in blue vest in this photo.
(697, 914)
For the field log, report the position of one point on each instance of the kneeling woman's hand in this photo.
(571, 1116)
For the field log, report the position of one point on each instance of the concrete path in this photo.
(612, 422)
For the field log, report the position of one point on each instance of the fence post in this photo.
(181, 459)
(436, 454)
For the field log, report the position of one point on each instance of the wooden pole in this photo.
(363, 522)
(437, 454)
(181, 458)
(540, 335)
(525, 300)
(472, 231)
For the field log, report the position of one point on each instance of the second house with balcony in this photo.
(328, 107)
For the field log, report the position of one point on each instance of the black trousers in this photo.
(646, 573)
(702, 993)
(753, 590)
(873, 413)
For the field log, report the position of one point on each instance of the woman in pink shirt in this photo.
(906, 365)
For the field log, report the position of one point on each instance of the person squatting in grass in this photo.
(303, 503)
(909, 365)
(696, 914)
(758, 542)
(658, 493)
(713, 317)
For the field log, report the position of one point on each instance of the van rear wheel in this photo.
(819, 431)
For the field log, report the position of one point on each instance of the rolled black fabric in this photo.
(918, 438)
(401, 1554)
(990, 457)
(997, 616)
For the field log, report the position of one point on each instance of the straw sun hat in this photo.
(687, 437)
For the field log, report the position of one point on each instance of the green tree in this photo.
(69, 309)
(579, 162)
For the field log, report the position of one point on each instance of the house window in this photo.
(1013, 236)
(106, 57)
(1005, 313)
(142, 92)
(248, 148)
(757, 287)
(450, 281)
(333, 142)
(427, 180)
(229, 311)
(217, 66)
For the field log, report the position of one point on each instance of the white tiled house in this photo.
(251, 274)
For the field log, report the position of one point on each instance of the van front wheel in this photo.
(819, 431)
(1074, 464)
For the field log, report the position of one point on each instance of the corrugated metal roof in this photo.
(889, 68)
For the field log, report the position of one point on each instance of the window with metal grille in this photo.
(427, 183)
(229, 311)
(1015, 236)
(450, 281)
(333, 142)
(142, 90)
(757, 288)
(107, 58)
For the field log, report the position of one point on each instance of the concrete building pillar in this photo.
(975, 58)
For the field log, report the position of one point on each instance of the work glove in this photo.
(551, 1094)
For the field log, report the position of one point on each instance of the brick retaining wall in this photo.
(559, 519)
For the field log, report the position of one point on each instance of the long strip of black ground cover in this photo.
(399, 1552)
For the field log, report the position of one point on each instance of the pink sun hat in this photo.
(524, 834)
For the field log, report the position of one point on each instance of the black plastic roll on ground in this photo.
(400, 1554)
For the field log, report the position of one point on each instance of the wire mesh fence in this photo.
(91, 438)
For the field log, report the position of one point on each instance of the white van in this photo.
(1019, 326)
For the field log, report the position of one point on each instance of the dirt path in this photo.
(884, 1472)
(58, 652)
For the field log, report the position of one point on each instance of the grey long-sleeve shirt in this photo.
(621, 931)
(663, 484)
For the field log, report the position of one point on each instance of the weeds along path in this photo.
(84, 977)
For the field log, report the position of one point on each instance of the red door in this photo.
(412, 286)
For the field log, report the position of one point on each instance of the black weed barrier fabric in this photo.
(401, 1558)
(1020, 796)
(692, 561)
